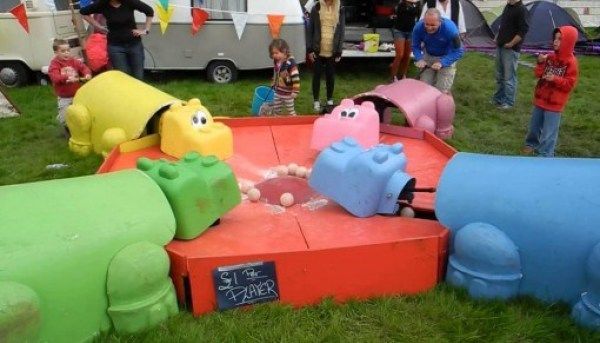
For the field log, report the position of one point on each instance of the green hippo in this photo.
(114, 107)
(82, 256)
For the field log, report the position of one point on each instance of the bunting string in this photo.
(230, 12)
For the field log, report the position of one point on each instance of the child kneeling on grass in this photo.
(557, 73)
(66, 72)
(286, 78)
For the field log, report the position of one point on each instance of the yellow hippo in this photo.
(114, 107)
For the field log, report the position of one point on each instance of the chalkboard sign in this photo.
(245, 284)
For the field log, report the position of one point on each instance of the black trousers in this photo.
(329, 64)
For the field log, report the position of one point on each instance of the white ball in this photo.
(407, 211)
(301, 171)
(292, 168)
(254, 194)
(245, 186)
(286, 199)
(281, 170)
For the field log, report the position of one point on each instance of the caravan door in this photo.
(216, 46)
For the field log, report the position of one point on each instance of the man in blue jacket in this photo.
(436, 46)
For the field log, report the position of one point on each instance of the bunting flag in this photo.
(21, 15)
(164, 4)
(275, 21)
(164, 17)
(199, 17)
(239, 22)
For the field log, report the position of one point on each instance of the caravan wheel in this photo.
(221, 72)
(13, 74)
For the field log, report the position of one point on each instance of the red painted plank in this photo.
(254, 153)
(250, 228)
(331, 227)
(266, 121)
(292, 142)
(306, 277)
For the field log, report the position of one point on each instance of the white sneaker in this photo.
(317, 107)
(329, 102)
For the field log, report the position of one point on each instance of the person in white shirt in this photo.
(446, 7)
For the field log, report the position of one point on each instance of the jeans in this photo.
(543, 131)
(128, 58)
(506, 76)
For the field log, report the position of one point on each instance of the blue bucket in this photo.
(262, 94)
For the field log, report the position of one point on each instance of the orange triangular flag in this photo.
(21, 15)
(275, 21)
(199, 17)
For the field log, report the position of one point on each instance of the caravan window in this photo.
(61, 5)
(220, 7)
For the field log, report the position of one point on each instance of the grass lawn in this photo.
(30, 142)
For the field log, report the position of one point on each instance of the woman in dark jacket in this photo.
(324, 39)
(405, 17)
(125, 49)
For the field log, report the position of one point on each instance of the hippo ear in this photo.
(347, 103)
(176, 104)
(368, 104)
(194, 102)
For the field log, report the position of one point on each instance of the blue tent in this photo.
(544, 17)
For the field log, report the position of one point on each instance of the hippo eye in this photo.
(352, 113)
(199, 119)
(344, 114)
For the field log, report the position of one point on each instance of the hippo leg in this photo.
(586, 311)
(485, 262)
(111, 138)
(140, 292)
(20, 316)
(79, 122)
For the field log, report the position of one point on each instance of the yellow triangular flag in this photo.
(164, 17)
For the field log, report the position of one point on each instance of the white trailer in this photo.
(21, 53)
(216, 46)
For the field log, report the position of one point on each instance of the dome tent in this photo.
(479, 34)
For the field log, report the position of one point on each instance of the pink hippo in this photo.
(424, 106)
(359, 121)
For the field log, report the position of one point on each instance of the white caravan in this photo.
(22, 54)
(216, 46)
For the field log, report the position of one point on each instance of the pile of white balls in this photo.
(247, 187)
(293, 169)
(286, 199)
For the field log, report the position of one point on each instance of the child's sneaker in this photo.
(504, 107)
(330, 102)
(317, 107)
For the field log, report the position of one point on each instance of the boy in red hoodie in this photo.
(557, 73)
(65, 72)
